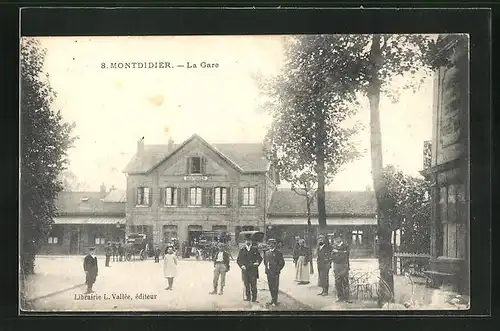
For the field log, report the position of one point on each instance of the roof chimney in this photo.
(140, 145)
(170, 145)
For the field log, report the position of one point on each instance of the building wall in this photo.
(450, 171)
(84, 236)
(218, 172)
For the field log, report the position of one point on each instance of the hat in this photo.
(91, 248)
(271, 240)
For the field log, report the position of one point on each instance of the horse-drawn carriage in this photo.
(136, 244)
(207, 243)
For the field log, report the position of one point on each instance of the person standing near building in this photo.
(121, 251)
(107, 252)
(274, 263)
(340, 257)
(324, 264)
(170, 266)
(249, 260)
(115, 251)
(296, 245)
(91, 269)
(157, 254)
(221, 267)
(301, 259)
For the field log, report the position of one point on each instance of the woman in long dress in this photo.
(170, 266)
(301, 259)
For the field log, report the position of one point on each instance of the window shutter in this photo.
(150, 196)
(210, 196)
(204, 201)
(163, 191)
(257, 195)
(136, 196)
(203, 164)
(186, 196)
(188, 165)
(240, 196)
(179, 196)
(228, 197)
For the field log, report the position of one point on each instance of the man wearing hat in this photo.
(274, 262)
(108, 251)
(221, 266)
(340, 257)
(324, 262)
(249, 260)
(90, 268)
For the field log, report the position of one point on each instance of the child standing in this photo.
(170, 266)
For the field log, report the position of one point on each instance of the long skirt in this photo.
(301, 270)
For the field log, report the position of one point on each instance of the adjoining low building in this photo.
(86, 219)
(352, 213)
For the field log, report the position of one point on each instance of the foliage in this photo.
(70, 182)
(309, 101)
(408, 208)
(45, 138)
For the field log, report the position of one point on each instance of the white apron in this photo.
(301, 270)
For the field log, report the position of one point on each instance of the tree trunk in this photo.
(309, 237)
(386, 283)
(320, 169)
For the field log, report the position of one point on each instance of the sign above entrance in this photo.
(194, 178)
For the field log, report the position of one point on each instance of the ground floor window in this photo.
(451, 235)
(53, 240)
(99, 241)
(55, 236)
(357, 237)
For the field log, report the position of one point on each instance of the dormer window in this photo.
(195, 165)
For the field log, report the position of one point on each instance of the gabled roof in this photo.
(86, 203)
(338, 203)
(116, 196)
(246, 157)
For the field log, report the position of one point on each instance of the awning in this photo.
(89, 220)
(314, 221)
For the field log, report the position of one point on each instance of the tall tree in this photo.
(374, 65)
(309, 101)
(45, 138)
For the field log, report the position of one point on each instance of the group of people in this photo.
(114, 250)
(249, 259)
(336, 253)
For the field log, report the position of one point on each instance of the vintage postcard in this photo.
(237, 173)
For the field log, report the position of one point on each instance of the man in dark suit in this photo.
(274, 262)
(340, 257)
(324, 263)
(221, 265)
(249, 260)
(90, 268)
(108, 251)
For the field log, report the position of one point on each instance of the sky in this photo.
(113, 108)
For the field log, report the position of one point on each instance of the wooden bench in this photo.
(436, 278)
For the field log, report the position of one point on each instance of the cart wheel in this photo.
(128, 257)
(142, 254)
